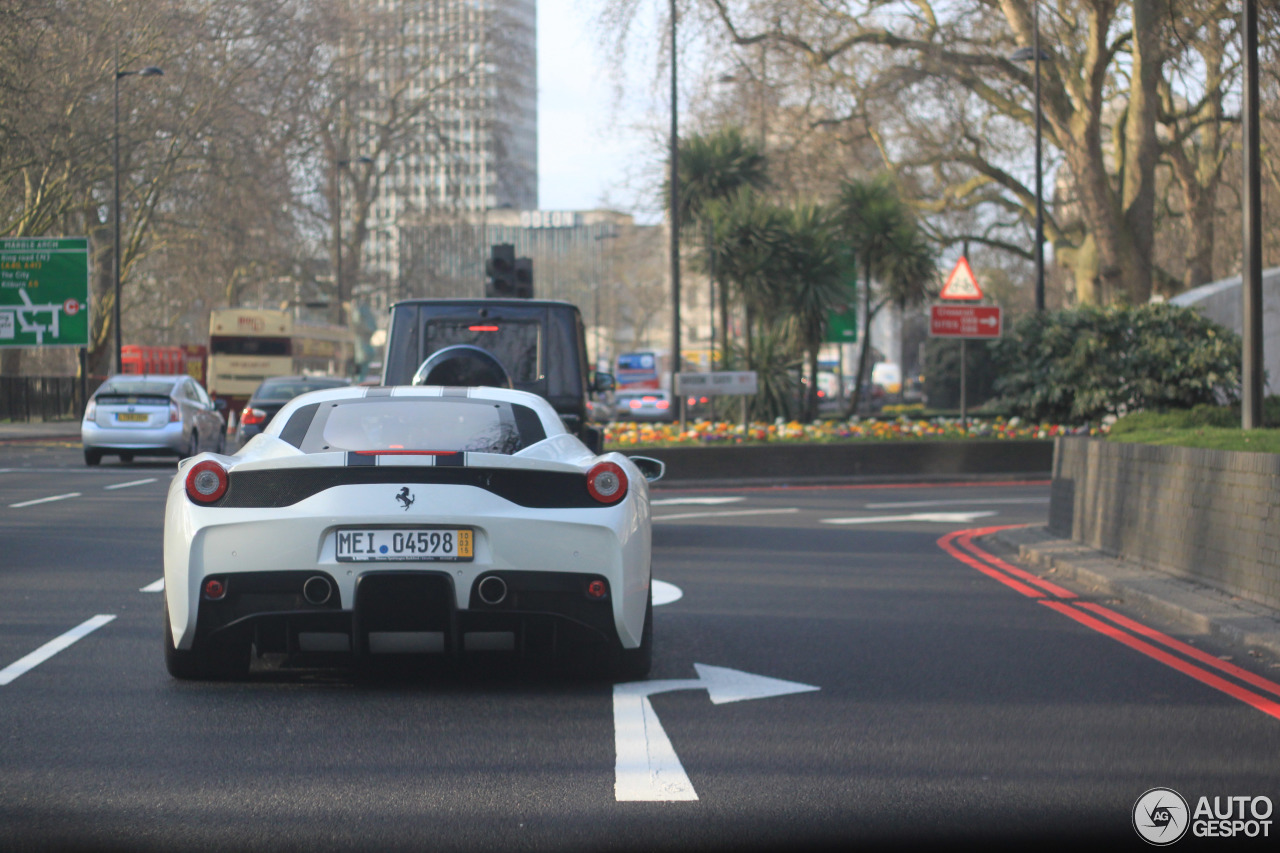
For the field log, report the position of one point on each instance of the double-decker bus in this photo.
(248, 345)
(643, 370)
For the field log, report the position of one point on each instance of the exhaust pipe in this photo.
(317, 590)
(492, 590)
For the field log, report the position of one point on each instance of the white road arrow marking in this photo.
(975, 501)
(936, 517)
(725, 513)
(648, 769)
(695, 501)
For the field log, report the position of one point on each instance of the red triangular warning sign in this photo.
(961, 284)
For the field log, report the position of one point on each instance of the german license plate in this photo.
(132, 417)
(408, 543)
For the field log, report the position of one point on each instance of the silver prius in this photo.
(131, 415)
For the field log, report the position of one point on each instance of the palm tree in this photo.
(813, 271)
(712, 168)
(890, 248)
(749, 235)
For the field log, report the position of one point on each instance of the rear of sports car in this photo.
(384, 522)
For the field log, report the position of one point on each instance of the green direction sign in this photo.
(44, 292)
(842, 325)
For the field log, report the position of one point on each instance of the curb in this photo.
(1198, 608)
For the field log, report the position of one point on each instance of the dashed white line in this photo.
(725, 514)
(155, 586)
(665, 593)
(45, 500)
(51, 648)
(131, 483)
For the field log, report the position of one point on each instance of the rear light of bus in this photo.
(206, 482)
(607, 483)
(252, 417)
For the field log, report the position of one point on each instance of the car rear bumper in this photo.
(167, 440)
(408, 612)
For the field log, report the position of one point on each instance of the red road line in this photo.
(945, 544)
(1263, 704)
(1190, 651)
(998, 569)
(966, 542)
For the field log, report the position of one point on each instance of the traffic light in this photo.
(524, 278)
(509, 277)
(501, 271)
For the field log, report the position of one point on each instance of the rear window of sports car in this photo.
(410, 424)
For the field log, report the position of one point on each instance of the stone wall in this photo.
(1211, 516)
(853, 460)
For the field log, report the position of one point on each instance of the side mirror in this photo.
(603, 382)
(652, 469)
(220, 404)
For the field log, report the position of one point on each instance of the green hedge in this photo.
(1084, 363)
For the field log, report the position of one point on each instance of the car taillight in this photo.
(174, 414)
(607, 483)
(206, 482)
(91, 410)
(252, 417)
(663, 404)
(635, 404)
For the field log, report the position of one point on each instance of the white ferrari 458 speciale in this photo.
(375, 521)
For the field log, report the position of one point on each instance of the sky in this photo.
(589, 153)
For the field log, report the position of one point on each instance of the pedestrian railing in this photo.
(42, 398)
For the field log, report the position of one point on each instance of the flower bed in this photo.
(625, 434)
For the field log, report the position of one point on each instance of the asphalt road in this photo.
(950, 705)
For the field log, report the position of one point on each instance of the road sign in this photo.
(965, 321)
(648, 768)
(723, 382)
(961, 284)
(842, 325)
(44, 291)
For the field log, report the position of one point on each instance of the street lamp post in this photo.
(337, 228)
(1035, 54)
(675, 214)
(149, 71)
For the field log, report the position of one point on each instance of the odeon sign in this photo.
(548, 219)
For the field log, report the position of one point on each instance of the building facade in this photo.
(473, 63)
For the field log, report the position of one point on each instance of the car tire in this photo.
(92, 456)
(126, 457)
(211, 664)
(634, 664)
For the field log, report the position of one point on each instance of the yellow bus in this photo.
(248, 345)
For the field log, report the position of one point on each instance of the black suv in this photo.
(540, 343)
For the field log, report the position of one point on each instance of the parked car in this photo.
(272, 394)
(151, 415)
(437, 521)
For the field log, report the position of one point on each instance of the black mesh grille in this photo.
(536, 489)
